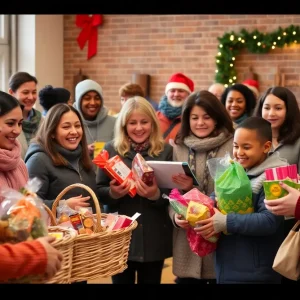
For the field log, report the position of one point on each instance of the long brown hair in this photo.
(48, 129)
(213, 107)
(289, 131)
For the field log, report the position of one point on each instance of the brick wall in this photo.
(160, 45)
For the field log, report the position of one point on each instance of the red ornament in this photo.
(89, 24)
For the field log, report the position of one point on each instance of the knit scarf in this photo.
(138, 148)
(210, 145)
(31, 126)
(241, 118)
(72, 156)
(13, 172)
(168, 110)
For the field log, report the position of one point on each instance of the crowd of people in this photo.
(192, 125)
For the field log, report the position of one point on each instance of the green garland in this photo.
(255, 42)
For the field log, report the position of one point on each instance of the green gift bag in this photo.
(232, 186)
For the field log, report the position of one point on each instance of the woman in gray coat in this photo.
(59, 157)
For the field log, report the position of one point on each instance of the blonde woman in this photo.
(137, 131)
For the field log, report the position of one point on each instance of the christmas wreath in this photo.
(255, 42)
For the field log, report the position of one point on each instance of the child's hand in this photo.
(184, 182)
(119, 190)
(213, 225)
(146, 191)
(181, 223)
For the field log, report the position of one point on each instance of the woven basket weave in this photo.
(101, 254)
(66, 246)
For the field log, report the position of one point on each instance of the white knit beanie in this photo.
(85, 86)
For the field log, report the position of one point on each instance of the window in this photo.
(5, 50)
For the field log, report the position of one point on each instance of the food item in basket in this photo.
(63, 218)
(77, 223)
(142, 170)
(116, 169)
(57, 234)
(87, 219)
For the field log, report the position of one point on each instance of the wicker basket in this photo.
(65, 246)
(101, 254)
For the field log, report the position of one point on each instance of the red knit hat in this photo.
(180, 81)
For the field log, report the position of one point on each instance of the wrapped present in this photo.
(142, 170)
(273, 190)
(194, 206)
(232, 186)
(281, 173)
(116, 169)
(195, 212)
(22, 214)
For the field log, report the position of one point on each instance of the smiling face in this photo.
(235, 104)
(10, 128)
(138, 127)
(176, 97)
(201, 124)
(90, 105)
(274, 111)
(248, 149)
(68, 133)
(26, 95)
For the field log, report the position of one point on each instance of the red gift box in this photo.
(116, 169)
(140, 169)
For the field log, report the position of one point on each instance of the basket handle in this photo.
(94, 197)
(52, 217)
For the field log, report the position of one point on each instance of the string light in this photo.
(266, 44)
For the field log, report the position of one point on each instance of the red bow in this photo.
(89, 32)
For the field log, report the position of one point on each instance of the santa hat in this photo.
(253, 85)
(180, 81)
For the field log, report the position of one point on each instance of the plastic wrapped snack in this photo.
(22, 215)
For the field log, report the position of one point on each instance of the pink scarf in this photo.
(13, 172)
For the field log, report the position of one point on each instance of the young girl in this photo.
(23, 86)
(279, 106)
(206, 132)
(137, 131)
(59, 157)
(239, 101)
(29, 257)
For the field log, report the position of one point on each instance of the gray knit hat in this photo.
(85, 86)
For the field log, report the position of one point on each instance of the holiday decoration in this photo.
(89, 24)
(255, 42)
